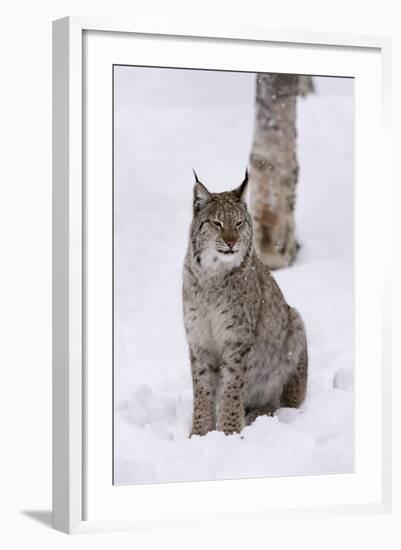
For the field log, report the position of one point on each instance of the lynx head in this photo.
(221, 230)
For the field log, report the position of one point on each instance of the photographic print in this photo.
(233, 254)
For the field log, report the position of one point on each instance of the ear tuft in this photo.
(202, 197)
(240, 192)
(196, 176)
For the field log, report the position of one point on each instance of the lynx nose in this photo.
(230, 242)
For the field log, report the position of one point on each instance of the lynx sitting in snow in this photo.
(247, 346)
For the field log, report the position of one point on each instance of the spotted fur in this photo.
(247, 345)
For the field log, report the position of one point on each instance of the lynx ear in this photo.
(240, 192)
(201, 195)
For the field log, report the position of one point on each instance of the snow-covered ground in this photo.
(166, 122)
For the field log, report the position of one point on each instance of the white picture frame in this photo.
(75, 479)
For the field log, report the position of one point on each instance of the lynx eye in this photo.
(217, 224)
(239, 224)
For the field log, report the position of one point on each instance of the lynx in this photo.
(247, 346)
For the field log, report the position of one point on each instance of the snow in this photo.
(166, 123)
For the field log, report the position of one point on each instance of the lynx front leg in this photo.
(204, 380)
(230, 409)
